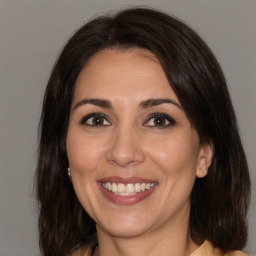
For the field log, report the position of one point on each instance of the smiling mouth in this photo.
(127, 189)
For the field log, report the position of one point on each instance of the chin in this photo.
(126, 226)
(123, 231)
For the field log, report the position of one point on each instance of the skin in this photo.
(128, 143)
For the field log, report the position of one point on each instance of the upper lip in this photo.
(125, 180)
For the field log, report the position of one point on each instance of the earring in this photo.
(69, 175)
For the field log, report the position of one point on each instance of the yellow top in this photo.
(206, 249)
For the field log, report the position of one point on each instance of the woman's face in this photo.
(132, 151)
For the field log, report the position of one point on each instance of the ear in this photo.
(204, 159)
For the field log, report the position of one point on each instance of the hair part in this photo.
(219, 202)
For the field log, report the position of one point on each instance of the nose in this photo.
(125, 148)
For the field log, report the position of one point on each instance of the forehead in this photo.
(121, 73)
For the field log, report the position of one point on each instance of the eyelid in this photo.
(168, 118)
(93, 115)
(161, 115)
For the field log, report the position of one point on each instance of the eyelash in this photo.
(165, 117)
(84, 120)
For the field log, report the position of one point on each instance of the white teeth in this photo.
(120, 188)
(137, 187)
(114, 188)
(128, 189)
(108, 186)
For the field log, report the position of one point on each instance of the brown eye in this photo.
(95, 119)
(159, 120)
(98, 121)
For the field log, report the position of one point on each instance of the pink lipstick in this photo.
(126, 191)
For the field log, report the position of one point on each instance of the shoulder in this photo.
(82, 251)
(207, 249)
(236, 253)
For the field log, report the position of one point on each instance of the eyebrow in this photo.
(97, 102)
(155, 102)
(149, 103)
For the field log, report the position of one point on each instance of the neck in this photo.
(156, 243)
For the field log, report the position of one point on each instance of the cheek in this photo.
(83, 156)
(175, 155)
(83, 153)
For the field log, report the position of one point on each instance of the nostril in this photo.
(125, 160)
(125, 152)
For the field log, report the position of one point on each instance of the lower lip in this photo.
(126, 200)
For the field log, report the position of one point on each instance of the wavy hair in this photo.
(219, 202)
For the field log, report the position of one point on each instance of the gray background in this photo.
(32, 34)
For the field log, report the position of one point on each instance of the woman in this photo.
(139, 150)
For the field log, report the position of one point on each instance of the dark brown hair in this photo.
(219, 202)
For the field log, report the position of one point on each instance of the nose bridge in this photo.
(125, 148)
